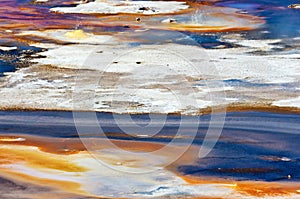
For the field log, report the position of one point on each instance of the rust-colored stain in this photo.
(251, 188)
(261, 189)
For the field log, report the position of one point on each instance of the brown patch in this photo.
(233, 107)
(138, 146)
(244, 107)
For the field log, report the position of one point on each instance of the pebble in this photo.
(285, 159)
(119, 163)
(294, 6)
(169, 20)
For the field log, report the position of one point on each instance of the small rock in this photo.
(169, 20)
(285, 159)
(242, 12)
(41, 1)
(294, 6)
(144, 8)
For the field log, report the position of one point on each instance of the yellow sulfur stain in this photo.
(77, 34)
(37, 159)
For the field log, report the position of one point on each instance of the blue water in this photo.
(281, 21)
(6, 67)
(9, 59)
(246, 140)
